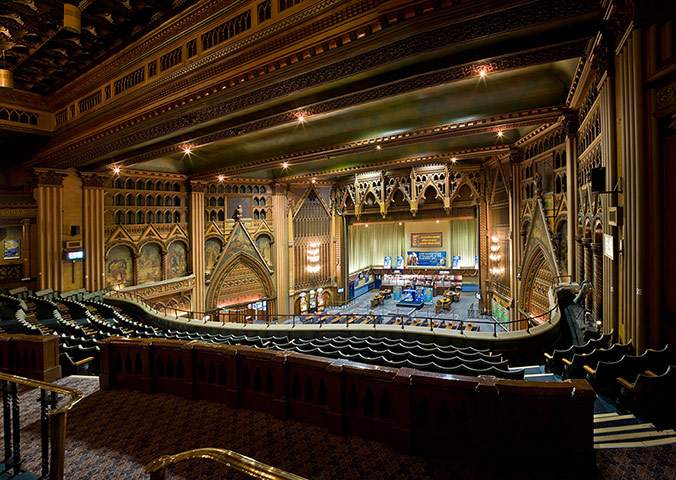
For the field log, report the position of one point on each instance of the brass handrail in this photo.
(58, 419)
(158, 467)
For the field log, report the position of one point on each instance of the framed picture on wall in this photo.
(11, 249)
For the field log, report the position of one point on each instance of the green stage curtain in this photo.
(464, 242)
(370, 245)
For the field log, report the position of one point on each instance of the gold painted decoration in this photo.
(149, 264)
(177, 260)
(119, 267)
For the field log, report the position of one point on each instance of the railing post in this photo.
(495, 327)
(58, 437)
(160, 474)
(44, 431)
(7, 418)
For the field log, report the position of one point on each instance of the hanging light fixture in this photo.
(71, 18)
(6, 76)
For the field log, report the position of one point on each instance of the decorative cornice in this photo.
(197, 186)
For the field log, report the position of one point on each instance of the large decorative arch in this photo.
(225, 270)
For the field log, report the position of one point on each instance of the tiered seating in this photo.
(554, 361)
(604, 377)
(575, 368)
(651, 396)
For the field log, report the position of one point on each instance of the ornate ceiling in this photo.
(44, 56)
(383, 74)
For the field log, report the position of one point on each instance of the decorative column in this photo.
(49, 195)
(517, 237)
(196, 219)
(26, 248)
(290, 245)
(93, 230)
(597, 309)
(570, 125)
(482, 217)
(134, 261)
(579, 260)
(588, 270)
(280, 225)
(163, 263)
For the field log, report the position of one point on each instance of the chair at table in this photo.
(438, 307)
(447, 304)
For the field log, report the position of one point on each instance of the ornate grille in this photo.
(226, 30)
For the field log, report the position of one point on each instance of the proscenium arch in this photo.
(222, 272)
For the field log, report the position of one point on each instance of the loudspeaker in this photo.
(74, 230)
(598, 179)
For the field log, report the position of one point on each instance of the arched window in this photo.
(167, 186)
(149, 185)
(220, 189)
(150, 217)
(263, 215)
(140, 218)
(249, 189)
(118, 183)
(262, 202)
(262, 189)
(255, 190)
(177, 217)
(212, 188)
(177, 201)
(159, 218)
(139, 184)
(256, 215)
(130, 218)
(255, 202)
(227, 189)
(119, 199)
(167, 201)
(130, 199)
(221, 202)
(221, 216)
(177, 187)
(159, 186)
(158, 201)
(119, 218)
(167, 217)
(130, 184)
(235, 189)
(150, 201)
(213, 216)
(212, 202)
(140, 200)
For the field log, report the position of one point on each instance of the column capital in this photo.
(586, 242)
(47, 177)
(279, 188)
(197, 186)
(93, 180)
(515, 155)
(596, 248)
(570, 124)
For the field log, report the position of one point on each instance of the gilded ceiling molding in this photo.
(46, 177)
(93, 180)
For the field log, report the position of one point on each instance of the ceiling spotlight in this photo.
(366, 225)
(301, 118)
(314, 180)
(500, 133)
(399, 223)
(378, 147)
(116, 170)
(437, 221)
(285, 165)
(482, 72)
(187, 150)
(453, 159)
(221, 178)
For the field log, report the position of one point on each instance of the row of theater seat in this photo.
(81, 323)
(556, 361)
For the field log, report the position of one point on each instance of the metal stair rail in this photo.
(52, 423)
(158, 467)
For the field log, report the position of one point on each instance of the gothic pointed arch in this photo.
(241, 272)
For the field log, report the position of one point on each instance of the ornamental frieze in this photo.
(162, 288)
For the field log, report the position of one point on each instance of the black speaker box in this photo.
(598, 179)
(74, 230)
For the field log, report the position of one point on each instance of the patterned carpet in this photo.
(113, 434)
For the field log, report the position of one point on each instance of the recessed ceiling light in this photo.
(187, 150)
(482, 72)
(378, 147)
(399, 223)
(367, 225)
(301, 118)
(221, 178)
(314, 180)
(285, 165)
(116, 170)
(437, 221)
(500, 133)
(453, 159)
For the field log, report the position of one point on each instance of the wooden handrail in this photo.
(158, 467)
(57, 416)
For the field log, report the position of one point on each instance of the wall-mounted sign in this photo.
(476, 262)
(388, 262)
(341, 290)
(75, 255)
(11, 249)
(426, 240)
(456, 261)
(426, 259)
(608, 246)
(400, 262)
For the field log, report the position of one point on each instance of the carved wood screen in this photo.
(312, 243)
